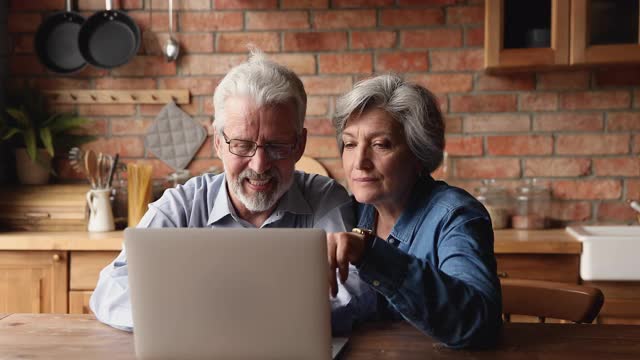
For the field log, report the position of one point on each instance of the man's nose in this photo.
(260, 162)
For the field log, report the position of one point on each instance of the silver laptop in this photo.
(230, 293)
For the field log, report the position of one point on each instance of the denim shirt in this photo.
(437, 268)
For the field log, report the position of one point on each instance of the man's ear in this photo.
(302, 144)
(216, 143)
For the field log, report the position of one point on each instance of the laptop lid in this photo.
(229, 293)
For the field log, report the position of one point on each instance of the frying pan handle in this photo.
(108, 5)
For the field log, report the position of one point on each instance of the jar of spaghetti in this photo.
(532, 206)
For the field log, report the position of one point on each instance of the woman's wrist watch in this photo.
(368, 241)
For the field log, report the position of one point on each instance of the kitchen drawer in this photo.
(79, 302)
(549, 267)
(86, 266)
(621, 302)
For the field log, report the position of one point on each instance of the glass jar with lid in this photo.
(496, 200)
(532, 205)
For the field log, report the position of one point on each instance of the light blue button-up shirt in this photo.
(313, 201)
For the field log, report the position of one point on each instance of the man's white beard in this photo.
(260, 200)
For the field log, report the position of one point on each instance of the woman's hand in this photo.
(343, 248)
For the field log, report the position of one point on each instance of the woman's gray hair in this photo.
(413, 106)
(264, 81)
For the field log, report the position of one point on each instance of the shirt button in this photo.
(376, 283)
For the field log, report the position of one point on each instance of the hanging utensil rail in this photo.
(117, 96)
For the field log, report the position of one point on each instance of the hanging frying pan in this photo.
(109, 38)
(56, 42)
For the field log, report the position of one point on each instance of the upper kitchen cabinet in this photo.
(605, 31)
(526, 34)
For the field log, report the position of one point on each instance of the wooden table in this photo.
(50, 336)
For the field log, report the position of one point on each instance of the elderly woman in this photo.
(425, 247)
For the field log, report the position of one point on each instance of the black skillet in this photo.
(56, 42)
(109, 38)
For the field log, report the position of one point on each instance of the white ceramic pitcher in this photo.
(100, 214)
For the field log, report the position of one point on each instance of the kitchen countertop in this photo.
(552, 241)
(55, 336)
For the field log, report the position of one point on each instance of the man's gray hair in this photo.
(413, 106)
(264, 81)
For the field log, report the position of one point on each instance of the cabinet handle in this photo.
(37, 215)
(56, 257)
(503, 274)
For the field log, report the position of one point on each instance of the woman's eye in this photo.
(383, 145)
(349, 145)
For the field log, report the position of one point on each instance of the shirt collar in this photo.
(292, 201)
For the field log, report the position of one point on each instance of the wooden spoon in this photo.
(91, 165)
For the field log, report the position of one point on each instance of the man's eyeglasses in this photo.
(246, 148)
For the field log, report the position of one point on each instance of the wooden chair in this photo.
(544, 299)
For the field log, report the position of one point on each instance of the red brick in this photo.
(401, 62)
(487, 168)
(453, 124)
(195, 85)
(415, 3)
(146, 66)
(571, 210)
(633, 189)
(191, 43)
(373, 39)
(345, 63)
(344, 19)
(181, 5)
(106, 109)
(616, 77)
(538, 101)
(25, 65)
(22, 44)
(412, 17)
(59, 83)
(237, 42)
(304, 4)
(465, 15)
(457, 60)
(431, 38)
(210, 21)
(595, 100)
(270, 20)
(617, 166)
(315, 41)
(474, 36)
(636, 98)
(574, 80)
(319, 126)
(483, 103)
(322, 85)
(592, 144)
(144, 21)
(209, 64)
(464, 145)
(317, 106)
(23, 22)
(95, 126)
(301, 64)
(635, 144)
(568, 122)
(623, 121)
(124, 83)
(40, 5)
(444, 83)
(100, 5)
(587, 189)
(130, 126)
(616, 212)
(361, 3)
(206, 150)
(497, 123)
(506, 82)
(322, 147)
(519, 145)
(557, 167)
(245, 4)
(126, 146)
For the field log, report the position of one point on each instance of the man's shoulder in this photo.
(318, 188)
(198, 188)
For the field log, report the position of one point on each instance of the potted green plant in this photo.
(36, 133)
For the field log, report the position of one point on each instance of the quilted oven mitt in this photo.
(174, 137)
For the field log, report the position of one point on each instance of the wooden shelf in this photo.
(117, 96)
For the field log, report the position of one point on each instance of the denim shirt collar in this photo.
(404, 228)
(292, 202)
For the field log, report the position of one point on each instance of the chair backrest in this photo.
(545, 299)
(311, 166)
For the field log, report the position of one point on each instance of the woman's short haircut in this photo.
(413, 106)
(264, 81)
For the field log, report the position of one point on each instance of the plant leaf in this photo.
(64, 123)
(30, 143)
(20, 116)
(47, 141)
(9, 134)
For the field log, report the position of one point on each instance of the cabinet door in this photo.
(86, 267)
(547, 267)
(605, 31)
(33, 281)
(79, 302)
(526, 34)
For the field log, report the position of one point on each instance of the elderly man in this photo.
(259, 114)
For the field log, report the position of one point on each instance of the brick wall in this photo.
(576, 130)
(6, 167)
